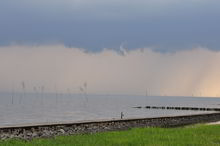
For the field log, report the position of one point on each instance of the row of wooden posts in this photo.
(180, 108)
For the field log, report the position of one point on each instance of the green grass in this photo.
(207, 135)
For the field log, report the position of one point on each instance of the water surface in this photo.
(29, 108)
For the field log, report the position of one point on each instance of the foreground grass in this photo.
(206, 135)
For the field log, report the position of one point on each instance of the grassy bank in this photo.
(206, 135)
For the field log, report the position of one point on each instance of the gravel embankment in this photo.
(35, 131)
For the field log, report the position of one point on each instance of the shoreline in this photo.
(29, 132)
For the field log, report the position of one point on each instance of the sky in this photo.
(117, 47)
(169, 25)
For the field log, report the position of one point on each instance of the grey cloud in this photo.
(164, 25)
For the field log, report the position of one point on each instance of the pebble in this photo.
(62, 131)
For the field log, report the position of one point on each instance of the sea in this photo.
(45, 108)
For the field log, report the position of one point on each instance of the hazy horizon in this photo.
(184, 73)
(111, 47)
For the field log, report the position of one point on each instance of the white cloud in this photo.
(181, 73)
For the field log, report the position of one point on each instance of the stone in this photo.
(62, 131)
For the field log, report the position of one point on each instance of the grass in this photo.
(207, 135)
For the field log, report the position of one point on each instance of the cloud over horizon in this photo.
(182, 73)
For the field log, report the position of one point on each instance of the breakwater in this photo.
(50, 130)
(180, 108)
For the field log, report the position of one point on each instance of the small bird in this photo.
(122, 115)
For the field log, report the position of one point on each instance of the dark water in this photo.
(21, 109)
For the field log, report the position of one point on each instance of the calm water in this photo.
(19, 109)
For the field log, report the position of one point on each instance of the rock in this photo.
(62, 131)
(5, 136)
(29, 134)
(12, 136)
(34, 134)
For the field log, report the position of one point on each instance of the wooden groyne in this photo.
(50, 130)
(180, 108)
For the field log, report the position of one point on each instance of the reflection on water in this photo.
(19, 109)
